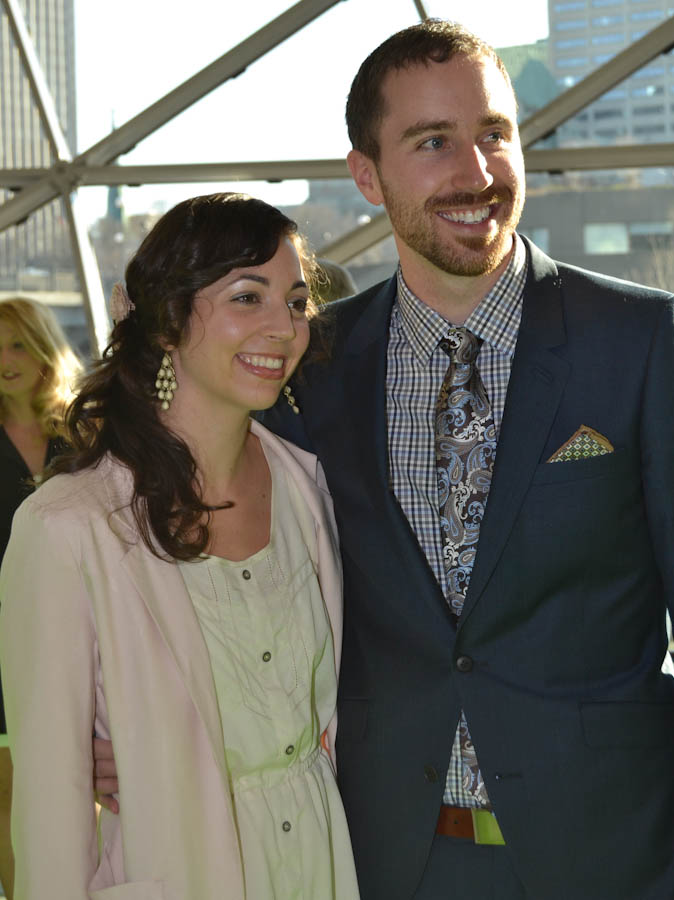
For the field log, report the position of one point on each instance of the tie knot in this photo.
(461, 345)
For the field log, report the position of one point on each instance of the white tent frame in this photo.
(35, 187)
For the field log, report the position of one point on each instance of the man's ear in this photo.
(364, 173)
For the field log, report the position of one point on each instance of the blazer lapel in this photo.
(536, 385)
(161, 587)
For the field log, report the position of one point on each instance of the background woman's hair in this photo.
(38, 329)
(193, 245)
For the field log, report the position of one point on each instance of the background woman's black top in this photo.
(14, 488)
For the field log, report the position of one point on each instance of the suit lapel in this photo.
(536, 385)
(347, 414)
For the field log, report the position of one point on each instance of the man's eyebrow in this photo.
(424, 127)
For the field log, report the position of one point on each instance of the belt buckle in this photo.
(485, 828)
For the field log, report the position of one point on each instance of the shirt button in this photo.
(266, 656)
(464, 664)
(246, 574)
(290, 749)
(286, 826)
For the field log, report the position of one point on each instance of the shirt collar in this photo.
(495, 320)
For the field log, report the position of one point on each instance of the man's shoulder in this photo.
(610, 285)
(345, 313)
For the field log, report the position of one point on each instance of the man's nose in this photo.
(472, 171)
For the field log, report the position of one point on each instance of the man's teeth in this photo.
(467, 216)
(265, 362)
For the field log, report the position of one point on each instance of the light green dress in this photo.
(270, 644)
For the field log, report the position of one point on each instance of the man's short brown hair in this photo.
(433, 40)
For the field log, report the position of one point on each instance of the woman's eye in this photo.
(245, 299)
(299, 305)
(18, 345)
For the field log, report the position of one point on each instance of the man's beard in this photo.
(485, 253)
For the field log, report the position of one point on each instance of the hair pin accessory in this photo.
(120, 303)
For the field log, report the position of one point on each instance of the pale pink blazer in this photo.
(95, 631)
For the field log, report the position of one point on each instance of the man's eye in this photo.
(495, 137)
(433, 143)
(18, 345)
(298, 305)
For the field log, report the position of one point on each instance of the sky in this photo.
(287, 105)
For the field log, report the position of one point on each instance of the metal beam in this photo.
(90, 279)
(621, 157)
(124, 138)
(546, 120)
(311, 169)
(38, 83)
(358, 240)
(421, 10)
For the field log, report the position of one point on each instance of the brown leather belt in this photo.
(477, 825)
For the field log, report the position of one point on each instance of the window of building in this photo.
(617, 94)
(540, 236)
(609, 135)
(572, 62)
(571, 25)
(570, 42)
(601, 3)
(602, 21)
(649, 72)
(649, 129)
(571, 7)
(606, 238)
(651, 235)
(647, 15)
(650, 90)
(608, 114)
(607, 38)
(658, 109)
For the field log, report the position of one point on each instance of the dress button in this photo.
(286, 826)
(290, 749)
(430, 774)
(246, 574)
(464, 663)
(266, 656)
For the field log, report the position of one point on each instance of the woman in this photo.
(36, 371)
(190, 561)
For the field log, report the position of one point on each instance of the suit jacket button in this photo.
(464, 663)
(430, 774)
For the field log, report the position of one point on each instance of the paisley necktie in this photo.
(465, 447)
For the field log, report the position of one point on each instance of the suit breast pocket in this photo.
(610, 465)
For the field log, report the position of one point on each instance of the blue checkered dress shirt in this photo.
(416, 366)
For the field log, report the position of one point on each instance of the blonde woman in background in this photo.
(36, 372)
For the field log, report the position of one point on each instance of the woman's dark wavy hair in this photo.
(116, 410)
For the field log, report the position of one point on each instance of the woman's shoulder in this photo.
(103, 487)
(289, 453)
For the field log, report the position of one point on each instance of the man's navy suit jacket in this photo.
(563, 633)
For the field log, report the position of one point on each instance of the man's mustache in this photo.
(461, 201)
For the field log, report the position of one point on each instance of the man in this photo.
(504, 620)
(550, 660)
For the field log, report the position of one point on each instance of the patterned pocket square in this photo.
(586, 442)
